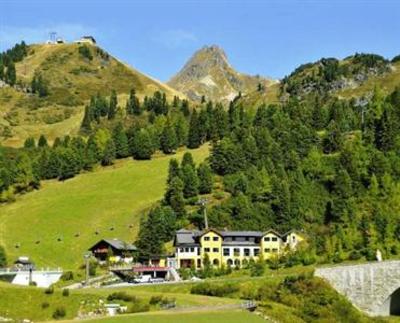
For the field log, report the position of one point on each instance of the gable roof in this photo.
(117, 244)
(274, 232)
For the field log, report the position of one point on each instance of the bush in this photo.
(214, 290)
(138, 307)
(122, 296)
(154, 300)
(59, 313)
(355, 255)
(68, 275)
(85, 52)
(49, 290)
(65, 292)
(45, 305)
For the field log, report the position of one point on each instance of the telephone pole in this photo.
(203, 203)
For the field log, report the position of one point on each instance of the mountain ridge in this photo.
(209, 74)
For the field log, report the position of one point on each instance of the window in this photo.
(186, 249)
(267, 250)
(247, 252)
(198, 251)
(267, 239)
(236, 252)
(206, 238)
(215, 249)
(274, 250)
(227, 252)
(274, 239)
(233, 238)
(191, 249)
(215, 238)
(181, 249)
(294, 238)
(247, 238)
(206, 249)
(256, 252)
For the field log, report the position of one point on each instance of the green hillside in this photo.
(72, 78)
(111, 197)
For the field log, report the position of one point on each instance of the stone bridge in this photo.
(372, 287)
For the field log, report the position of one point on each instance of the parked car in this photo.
(142, 279)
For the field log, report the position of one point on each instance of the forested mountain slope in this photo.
(54, 81)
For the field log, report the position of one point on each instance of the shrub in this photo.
(154, 300)
(68, 275)
(138, 307)
(45, 305)
(85, 52)
(355, 255)
(65, 292)
(59, 313)
(122, 296)
(49, 290)
(214, 290)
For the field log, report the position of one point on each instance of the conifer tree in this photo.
(109, 153)
(121, 141)
(113, 105)
(42, 143)
(86, 122)
(205, 178)
(133, 104)
(11, 75)
(174, 197)
(168, 139)
(190, 181)
(142, 146)
(187, 159)
(194, 139)
(30, 143)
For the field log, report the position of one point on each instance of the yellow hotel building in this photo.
(230, 248)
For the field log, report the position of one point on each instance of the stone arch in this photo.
(394, 306)
(216, 262)
(237, 262)
(229, 262)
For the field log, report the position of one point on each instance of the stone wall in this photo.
(368, 286)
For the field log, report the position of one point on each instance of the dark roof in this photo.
(117, 244)
(186, 237)
(190, 237)
(89, 37)
(256, 234)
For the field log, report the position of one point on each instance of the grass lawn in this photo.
(235, 316)
(109, 200)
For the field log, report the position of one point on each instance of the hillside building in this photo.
(230, 248)
(113, 250)
(86, 40)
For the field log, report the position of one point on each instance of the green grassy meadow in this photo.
(109, 200)
(235, 316)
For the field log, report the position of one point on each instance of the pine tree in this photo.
(173, 170)
(30, 143)
(42, 143)
(121, 141)
(181, 130)
(69, 163)
(11, 75)
(113, 105)
(142, 146)
(109, 153)
(168, 139)
(205, 178)
(174, 197)
(86, 122)
(190, 181)
(133, 104)
(187, 159)
(194, 139)
(92, 153)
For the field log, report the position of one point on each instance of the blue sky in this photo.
(269, 38)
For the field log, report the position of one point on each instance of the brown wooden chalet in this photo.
(112, 247)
